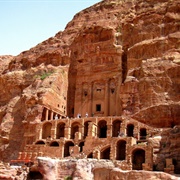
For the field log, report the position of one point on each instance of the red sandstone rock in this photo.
(116, 58)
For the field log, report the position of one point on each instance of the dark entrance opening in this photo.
(102, 129)
(90, 155)
(46, 132)
(67, 148)
(74, 129)
(81, 144)
(124, 64)
(116, 128)
(143, 134)
(34, 175)
(60, 130)
(40, 142)
(43, 115)
(130, 130)
(54, 143)
(176, 164)
(121, 150)
(98, 107)
(105, 154)
(138, 158)
(86, 125)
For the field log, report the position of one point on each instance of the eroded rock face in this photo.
(88, 169)
(114, 58)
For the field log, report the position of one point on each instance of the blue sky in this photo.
(25, 23)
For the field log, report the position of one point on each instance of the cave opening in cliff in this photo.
(116, 128)
(138, 158)
(102, 129)
(143, 133)
(34, 175)
(124, 64)
(67, 148)
(121, 150)
(130, 130)
(105, 154)
(60, 130)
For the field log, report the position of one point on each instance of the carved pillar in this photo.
(106, 113)
(92, 91)
(61, 144)
(52, 114)
(81, 130)
(109, 128)
(47, 113)
(53, 131)
(91, 99)
(39, 132)
(123, 129)
(136, 132)
(67, 132)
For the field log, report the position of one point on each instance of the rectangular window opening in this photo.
(98, 107)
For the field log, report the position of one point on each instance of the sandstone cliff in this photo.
(142, 40)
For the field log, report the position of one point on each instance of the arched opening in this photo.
(81, 144)
(54, 143)
(105, 154)
(138, 158)
(102, 129)
(143, 133)
(176, 164)
(60, 130)
(116, 128)
(74, 129)
(90, 155)
(86, 125)
(121, 150)
(34, 175)
(67, 148)
(130, 130)
(40, 142)
(46, 131)
(43, 118)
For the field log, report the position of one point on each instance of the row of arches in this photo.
(101, 130)
(138, 155)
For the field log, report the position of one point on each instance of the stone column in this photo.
(136, 132)
(47, 113)
(90, 99)
(123, 129)
(53, 131)
(109, 129)
(61, 144)
(39, 132)
(81, 130)
(106, 99)
(52, 114)
(67, 132)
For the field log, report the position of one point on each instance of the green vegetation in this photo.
(68, 178)
(44, 75)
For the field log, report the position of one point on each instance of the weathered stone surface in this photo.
(117, 60)
(88, 169)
